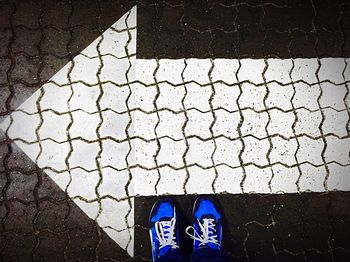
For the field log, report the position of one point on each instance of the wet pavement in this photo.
(41, 222)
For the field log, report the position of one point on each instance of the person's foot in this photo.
(163, 228)
(207, 225)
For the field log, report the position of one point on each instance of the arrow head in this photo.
(65, 127)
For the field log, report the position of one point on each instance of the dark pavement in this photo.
(38, 220)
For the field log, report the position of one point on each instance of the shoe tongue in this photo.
(213, 221)
(209, 245)
(167, 248)
(210, 232)
(164, 250)
(208, 216)
(213, 246)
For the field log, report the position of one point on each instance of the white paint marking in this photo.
(97, 178)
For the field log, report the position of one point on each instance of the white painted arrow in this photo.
(108, 127)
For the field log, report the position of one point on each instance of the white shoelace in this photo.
(208, 231)
(166, 233)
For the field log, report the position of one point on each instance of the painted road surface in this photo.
(109, 127)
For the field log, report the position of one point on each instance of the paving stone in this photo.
(284, 179)
(18, 246)
(199, 124)
(27, 14)
(6, 63)
(4, 151)
(84, 121)
(283, 150)
(61, 95)
(304, 70)
(113, 125)
(4, 96)
(144, 153)
(26, 69)
(225, 97)
(308, 122)
(248, 92)
(225, 70)
(197, 71)
(302, 43)
(76, 248)
(146, 71)
(227, 151)
(51, 216)
(254, 124)
(20, 93)
(200, 152)
(340, 254)
(170, 124)
(336, 74)
(290, 237)
(22, 186)
(119, 225)
(58, 135)
(340, 229)
(50, 65)
(347, 70)
(335, 122)
(174, 149)
(17, 158)
(174, 68)
(146, 177)
(338, 177)
(196, 183)
(111, 91)
(56, 7)
(229, 180)
(170, 97)
(22, 216)
(224, 43)
(337, 150)
(306, 96)
(322, 244)
(278, 70)
(78, 177)
(260, 182)
(285, 256)
(7, 10)
(55, 157)
(112, 157)
(27, 41)
(249, 68)
(310, 150)
(198, 97)
(281, 123)
(257, 244)
(31, 121)
(225, 124)
(169, 176)
(252, 151)
(328, 47)
(145, 124)
(310, 175)
(51, 246)
(333, 96)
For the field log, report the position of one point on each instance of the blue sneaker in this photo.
(207, 225)
(164, 231)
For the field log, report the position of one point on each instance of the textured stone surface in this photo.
(297, 141)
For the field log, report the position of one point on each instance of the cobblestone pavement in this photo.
(253, 106)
